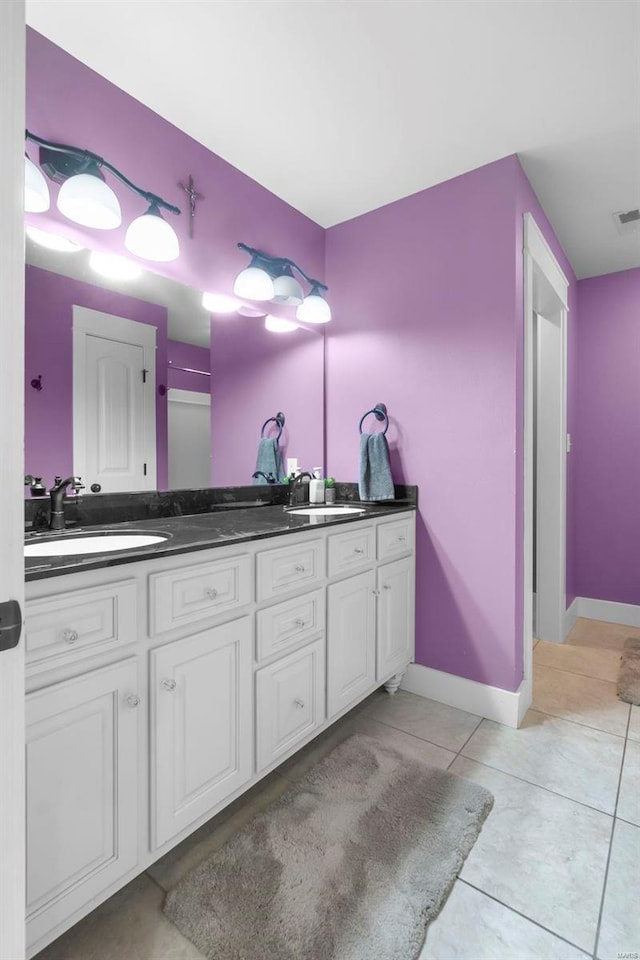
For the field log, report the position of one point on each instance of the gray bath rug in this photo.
(629, 676)
(350, 864)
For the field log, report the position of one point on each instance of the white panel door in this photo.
(351, 641)
(395, 618)
(201, 724)
(114, 401)
(82, 794)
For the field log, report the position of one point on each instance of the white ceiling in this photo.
(340, 106)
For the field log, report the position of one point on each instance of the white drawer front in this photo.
(290, 623)
(79, 624)
(395, 539)
(289, 568)
(290, 696)
(184, 596)
(349, 551)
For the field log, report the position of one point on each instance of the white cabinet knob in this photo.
(401, 539)
(70, 636)
(211, 593)
(299, 622)
(133, 700)
(168, 684)
(376, 593)
(358, 550)
(299, 568)
(299, 703)
(386, 586)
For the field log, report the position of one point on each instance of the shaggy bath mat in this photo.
(629, 676)
(350, 864)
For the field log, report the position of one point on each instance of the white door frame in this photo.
(87, 322)
(12, 786)
(545, 293)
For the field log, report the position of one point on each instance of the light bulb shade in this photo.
(52, 241)
(219, 303)
(254, 283)
(86, 199)
(314, 309)
(152, 238)
(278, 325)
(112, 266)
(246, 311)
(36, 191)
(287, 290)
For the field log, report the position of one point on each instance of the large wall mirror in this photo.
(133, 385)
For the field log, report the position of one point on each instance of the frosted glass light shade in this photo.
(36, 191)
(287, 290)
(219, 303)
(152, 238)
(113, 266)
(253, 283)
(277, 325)
(314, 309)
(246, 311)
(52, 241)
(85, 198)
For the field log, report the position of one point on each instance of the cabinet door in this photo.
(82, 794)
(395, 618)
(351, 643)
(201, 724)
(289, 702)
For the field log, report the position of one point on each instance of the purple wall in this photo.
(255, 374)
(193, 358)
(69, 103)
(428, 307)
(607, 439)
(49, 301)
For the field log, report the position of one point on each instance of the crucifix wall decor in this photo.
(192, 196)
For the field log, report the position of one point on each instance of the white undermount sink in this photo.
(100, 543)
(325, 511)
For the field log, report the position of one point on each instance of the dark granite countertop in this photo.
(197, 532)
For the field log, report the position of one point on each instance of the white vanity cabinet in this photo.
(160, 690)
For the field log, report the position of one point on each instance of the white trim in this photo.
(503, 706)
(610, 611)
(174, 395)
(541, 254)
(571, 616)
(12, 751)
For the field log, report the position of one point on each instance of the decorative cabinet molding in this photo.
(232, 664)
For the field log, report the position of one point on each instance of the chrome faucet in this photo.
(57, 494)
(294, 486)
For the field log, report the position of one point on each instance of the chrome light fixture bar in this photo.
(86, 198)
(272, 279)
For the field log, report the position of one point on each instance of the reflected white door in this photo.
(114, 425)
(189, 439)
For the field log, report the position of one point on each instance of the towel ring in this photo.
(380, 413)
(279, 419)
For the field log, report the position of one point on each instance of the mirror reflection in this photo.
(132, 384)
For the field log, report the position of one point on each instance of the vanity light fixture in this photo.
(86, 198)
(112, 266)
(52, 241)
(247, 311)
(272, 278)
(36, 191)
(277, 325)
(219, 303)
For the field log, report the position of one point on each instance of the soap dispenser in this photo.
(316, 487)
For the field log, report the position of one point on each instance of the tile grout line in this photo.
(613, 826)
(578, 723)
(519, 913)
(574, 673)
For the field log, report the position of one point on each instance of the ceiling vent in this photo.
(628, 222)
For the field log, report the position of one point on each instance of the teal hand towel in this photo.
(269, 459)
(375, 481)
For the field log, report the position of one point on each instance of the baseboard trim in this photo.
(503, 706)
(571, 616)
(610, 611)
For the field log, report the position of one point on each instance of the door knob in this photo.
(133, 700)
(168, 684)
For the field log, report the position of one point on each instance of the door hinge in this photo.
(144, 469)
(144, 376)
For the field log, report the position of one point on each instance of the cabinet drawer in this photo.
(289, 568)
(290, 623)
(395, 538)
(78, 624)
(289, 702)
(184, 596)
(349, 551)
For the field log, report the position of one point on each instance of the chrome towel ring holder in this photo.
(279, 419)
(381, 415)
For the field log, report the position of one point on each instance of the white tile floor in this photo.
(555, 872)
